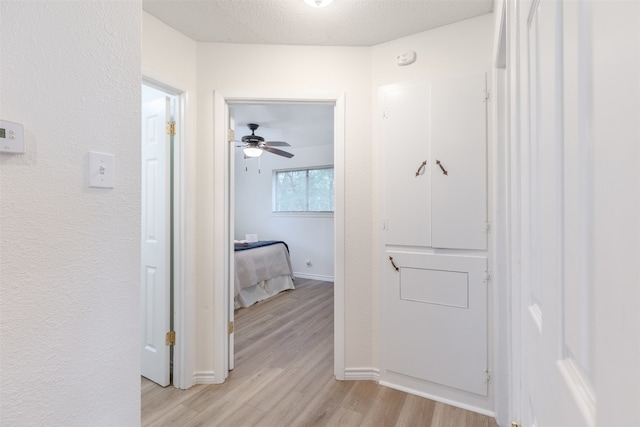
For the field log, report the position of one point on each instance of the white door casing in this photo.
(222, 216)
(231, 283)
(155, 292)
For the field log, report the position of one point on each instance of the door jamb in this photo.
(222, 252)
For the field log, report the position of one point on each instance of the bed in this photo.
(262, 270)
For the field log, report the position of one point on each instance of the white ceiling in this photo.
(341, 23)
(293, 22)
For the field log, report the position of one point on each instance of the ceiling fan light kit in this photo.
(252, 152)
(318, 3)
(254, 145)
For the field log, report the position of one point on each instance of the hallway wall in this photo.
(70, 254)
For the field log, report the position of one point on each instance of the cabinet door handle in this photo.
(421, 168)
(441, 167)
(393, 263)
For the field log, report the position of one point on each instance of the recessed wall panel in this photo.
(450, 288)
(149, 297)
(150, 205)
(152, 130)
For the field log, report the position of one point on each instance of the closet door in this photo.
(435, 323)
(407, 183)
(459, 162)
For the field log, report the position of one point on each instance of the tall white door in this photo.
(579, 212)
(155, 280)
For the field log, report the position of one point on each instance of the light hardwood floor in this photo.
(283, 376)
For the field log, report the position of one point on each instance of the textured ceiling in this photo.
(341, 23)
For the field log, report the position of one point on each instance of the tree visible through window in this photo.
(304, 190)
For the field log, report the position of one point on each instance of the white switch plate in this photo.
(100, 170)
(11, 137)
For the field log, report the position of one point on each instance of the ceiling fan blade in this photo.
(278, 152)
(277, 143)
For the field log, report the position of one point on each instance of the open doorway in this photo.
(282, 198)
(224, 229)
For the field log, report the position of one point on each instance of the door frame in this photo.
(180, 296)
(222, 217)
(504, 238)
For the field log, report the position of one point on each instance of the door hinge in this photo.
(487, 227)
(487, 276)
(384, 113)
(488, 372)
(230, 328)
(170, 338)
(487, 95)
(171, 128)
(231, 135)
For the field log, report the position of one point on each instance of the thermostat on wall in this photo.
(11, 137)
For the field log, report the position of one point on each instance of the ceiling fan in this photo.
(254, 145)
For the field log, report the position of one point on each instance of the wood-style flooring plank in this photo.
(283, 376)
(386, 408)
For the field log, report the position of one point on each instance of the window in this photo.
(303, 190)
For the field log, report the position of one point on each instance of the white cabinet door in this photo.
(155, 316)
(407, 183)
(434, 157)
(435, 319)
(459, 162)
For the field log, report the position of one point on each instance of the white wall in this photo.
(287, 70)
(309, 237)
(69, 254)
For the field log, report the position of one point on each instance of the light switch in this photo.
(11, 137)
(100, 170)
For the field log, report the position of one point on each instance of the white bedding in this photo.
(261, 273)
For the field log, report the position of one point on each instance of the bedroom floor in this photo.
(284, 376)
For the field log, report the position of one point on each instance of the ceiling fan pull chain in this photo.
(420, 170)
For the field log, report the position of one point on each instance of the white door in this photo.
(155, 246)
(579, 213)
(405, 129)
(436, 320)
(458, 162)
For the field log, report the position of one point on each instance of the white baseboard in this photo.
(312, 277)
(373, 374)
(362, 374)
(457, 403)
(205, 377)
